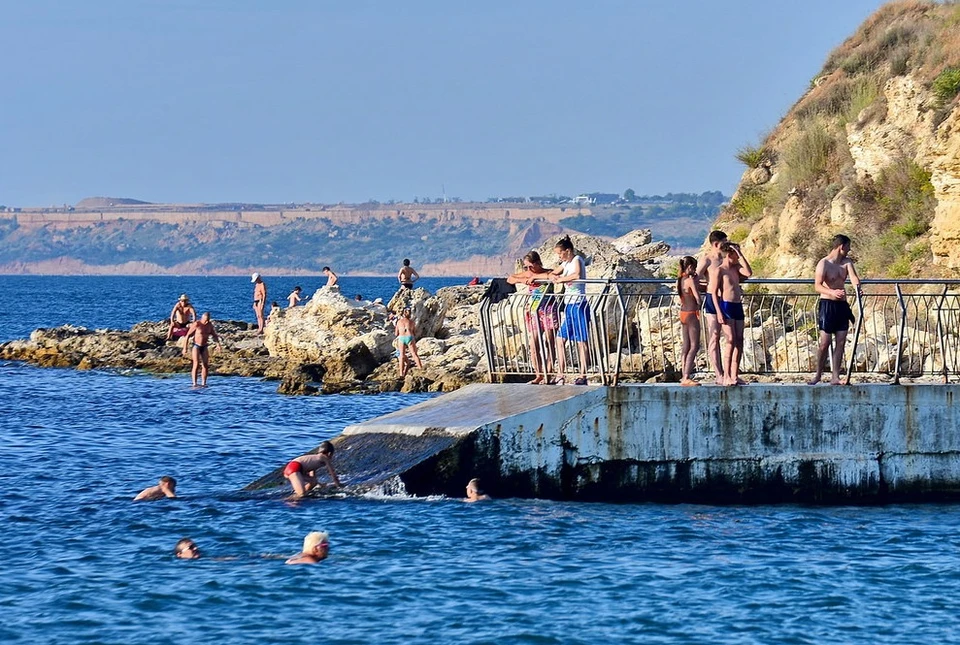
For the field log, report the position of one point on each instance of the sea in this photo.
(81, 563)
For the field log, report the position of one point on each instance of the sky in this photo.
(328, 101)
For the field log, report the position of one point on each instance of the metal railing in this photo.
(903, 329)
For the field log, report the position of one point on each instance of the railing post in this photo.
(856, 336)
(940, 333)
(621, 327)
(486, 328)
(900, 335)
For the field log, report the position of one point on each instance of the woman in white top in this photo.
(576, 314)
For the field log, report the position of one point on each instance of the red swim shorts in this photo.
(293, 467)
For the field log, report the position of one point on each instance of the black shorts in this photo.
(834, 316)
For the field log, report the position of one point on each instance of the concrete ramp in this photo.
(430, 448)
(470, 408)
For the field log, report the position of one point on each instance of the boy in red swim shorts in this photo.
(302, 471)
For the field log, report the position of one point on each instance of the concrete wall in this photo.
(759, 443)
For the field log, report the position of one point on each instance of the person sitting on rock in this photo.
(166, 487)
(316, 546)
(302, 471)
(406, 332)
(181, 316)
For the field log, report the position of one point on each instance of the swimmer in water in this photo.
(474, 494)
(316, 547)
(166, 487)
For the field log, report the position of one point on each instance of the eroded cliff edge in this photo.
(872, 150)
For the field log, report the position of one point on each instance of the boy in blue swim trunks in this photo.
(711, 261)
(727, 296)
(833, 313)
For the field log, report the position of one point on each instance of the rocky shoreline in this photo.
(339, 361)
(333, 344)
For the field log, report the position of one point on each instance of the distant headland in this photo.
(123, 236)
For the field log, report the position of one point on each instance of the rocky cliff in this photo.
(872, 150)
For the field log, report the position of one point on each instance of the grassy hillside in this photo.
(858, 152)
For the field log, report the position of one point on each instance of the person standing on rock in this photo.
(406, 332)
(201, 331)
(259, 299)
(833, 313)
(711, 260)
(727, 295)
(332, 277)
(407, 275)
(181, 316)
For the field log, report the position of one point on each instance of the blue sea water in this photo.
(81, 563)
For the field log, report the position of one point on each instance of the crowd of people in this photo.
(194, 334)
(712, 285)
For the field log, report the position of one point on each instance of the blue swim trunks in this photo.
(708, 306)
(732, 310)
(576, 317)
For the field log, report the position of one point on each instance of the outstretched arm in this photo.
(854, 278)
(333, 473)
(745, 269)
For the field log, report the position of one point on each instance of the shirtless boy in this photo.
(406, 332)
(201, 331)
(166, 487)
(407, 275)
(834, 315)
(727, 296)
(294, 298)
(302, 471)
(181, 316)
(711, 260)
(331, 276)
(259, 299)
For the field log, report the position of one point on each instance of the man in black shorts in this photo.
(833, 314)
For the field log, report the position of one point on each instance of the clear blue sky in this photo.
(306, 100)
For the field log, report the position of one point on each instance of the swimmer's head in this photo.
(297, 288)
(316, 542)
(406, 262)
(186, 549)
(473, 487)
(326, 448)
(169, 482)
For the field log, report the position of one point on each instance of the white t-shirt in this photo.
(574, 267)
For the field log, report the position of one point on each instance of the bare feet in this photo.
(835, 382)
(816, 379)
(688, 382)
(536, 381)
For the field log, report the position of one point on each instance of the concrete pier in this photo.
(756, 443)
